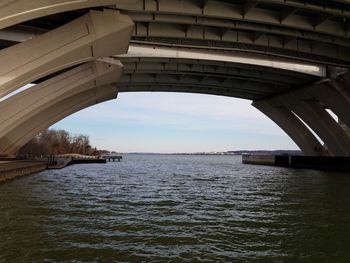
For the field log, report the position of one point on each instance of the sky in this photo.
(176, 122)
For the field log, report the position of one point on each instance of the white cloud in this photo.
(173, 122)
(184, 111)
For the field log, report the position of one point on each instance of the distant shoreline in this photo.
(238, 153)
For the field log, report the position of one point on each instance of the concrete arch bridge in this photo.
(290, 58)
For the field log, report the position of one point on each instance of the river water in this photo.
(157, 208)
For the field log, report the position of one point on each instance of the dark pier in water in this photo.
(112, 158)
(301, 162)
(59, 162)
(86, 161)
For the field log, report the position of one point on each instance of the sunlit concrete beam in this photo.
(50, 115)
(187, 53)
(26, 104)
(94, 35)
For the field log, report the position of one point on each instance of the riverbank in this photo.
(12, 169)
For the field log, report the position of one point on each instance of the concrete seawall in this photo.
(259, 159)
(304, 162)
(13, 169)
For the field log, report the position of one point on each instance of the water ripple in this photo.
(176, 209)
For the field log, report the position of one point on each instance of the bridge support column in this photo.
(13, 12)
(22, 106)
(342, 85)
(319, 120)
(24, 132)
(94, 35)
(296, 130)
(332, 99)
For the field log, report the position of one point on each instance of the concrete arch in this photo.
(295, 129)
(316, 117)
(24, 132)
(153, 69)
(251, 87)
(79, 41)
(330, 98)
(24, 105)
(16, 11)
(282, 110)
(148, 65)
(342, 85)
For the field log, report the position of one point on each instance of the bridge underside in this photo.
(239, 80)
(290, 58)
(313, 30)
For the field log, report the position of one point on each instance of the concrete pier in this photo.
(259, 159)
(61, 161)
(13, 169)
(302, 162)
(87, 161)
(112, 158)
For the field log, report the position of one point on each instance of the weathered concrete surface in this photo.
(329, 163)
(16, 11)
(13, 169)
(309, 107)
(189, 24)
(259, 159)
(291, 125)
(95, 35)
(51, 114)
(319, 120)
(24, 105)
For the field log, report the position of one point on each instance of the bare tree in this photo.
(52, 142)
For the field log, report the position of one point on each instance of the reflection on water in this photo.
(176, 209)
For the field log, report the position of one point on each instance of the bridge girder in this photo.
(215, 68)
(76, 42)
(315, 32)
(304, 16)
(15, 12)
(206, 76)
(310, 30)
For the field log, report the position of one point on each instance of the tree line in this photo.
(53, 142)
